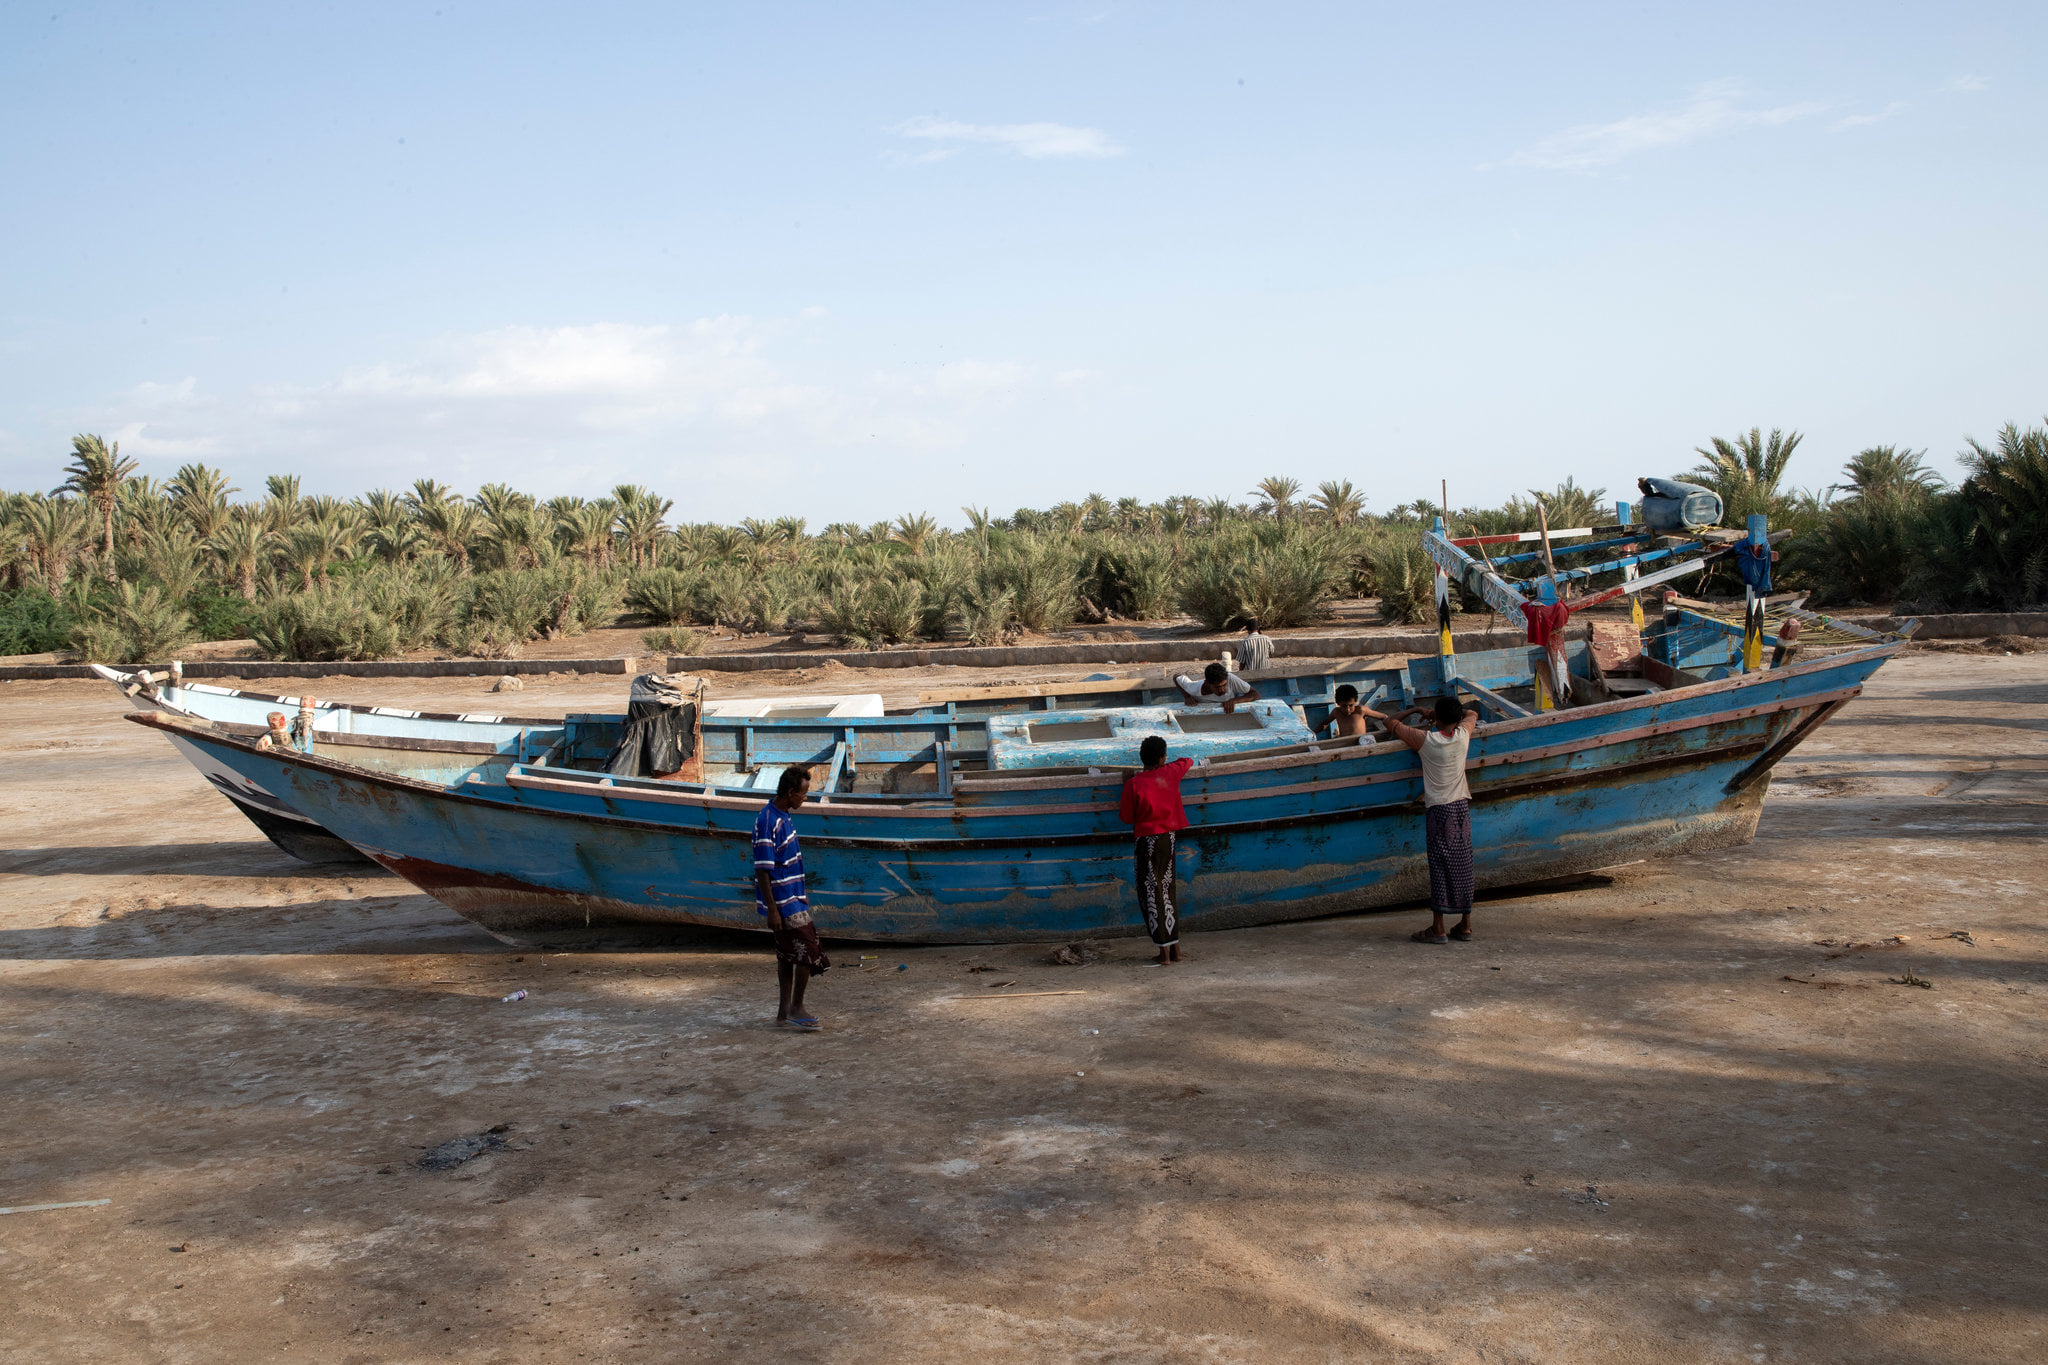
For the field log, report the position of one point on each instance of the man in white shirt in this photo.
(1218, 684)
(1447, 809)
(1257, 649)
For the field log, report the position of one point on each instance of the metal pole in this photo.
(1752, 600)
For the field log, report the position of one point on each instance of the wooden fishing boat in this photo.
(545, 854)
(968, 819)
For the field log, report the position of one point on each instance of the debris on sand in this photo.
(1074, 955)
(1963, 936)
(457, 1151)
(1911, 980)
(508, 683)
(1591, 1196)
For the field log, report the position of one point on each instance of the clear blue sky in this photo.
(853, 261)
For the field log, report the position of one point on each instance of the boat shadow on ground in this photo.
(390, 921)
(241, 858)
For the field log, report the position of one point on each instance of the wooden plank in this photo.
(1494, 699)
(940, 696)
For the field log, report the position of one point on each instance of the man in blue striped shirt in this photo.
(779, 896)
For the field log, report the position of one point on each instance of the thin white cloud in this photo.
(1715, 108)
(726, 411)
(1891, 110)
(134, 439)
(1038, 141)
(1971, 83)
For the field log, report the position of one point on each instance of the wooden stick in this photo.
(1010, 995)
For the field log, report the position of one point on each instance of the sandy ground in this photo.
(1609, 1129)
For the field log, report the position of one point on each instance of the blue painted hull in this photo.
(550, 856)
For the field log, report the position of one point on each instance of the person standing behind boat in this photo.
(1447, 809)
(1218, 684)
(779, 897)
(1151, 806)
(1257, 649)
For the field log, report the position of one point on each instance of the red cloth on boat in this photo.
(1545, 619)
(1151, 799)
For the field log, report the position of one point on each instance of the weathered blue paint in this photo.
(543, 854)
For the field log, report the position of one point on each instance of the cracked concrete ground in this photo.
(1678, 1112)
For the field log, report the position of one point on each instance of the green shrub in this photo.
(1289, 582)
(667, 595)
(33, 622)
(326, 622)
(672, 640)
(141, 625)
(219, 614)
(509, 604)
(1212, 590)
(985, 614)
(1407, 583)
(1041, 577)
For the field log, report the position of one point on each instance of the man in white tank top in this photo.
(1447, 812)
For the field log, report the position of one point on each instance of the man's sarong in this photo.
(797, 943)
(1154, 866)
(1450, 857)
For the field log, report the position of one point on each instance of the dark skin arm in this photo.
(766, 882)
(1205, 695)
(1411, 736)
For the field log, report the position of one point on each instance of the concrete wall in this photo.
(1968, 626)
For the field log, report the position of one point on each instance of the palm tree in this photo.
(519, 534)
(586, 531)
(170, 554)
(792, 529)
(1216, 511)
(1570, 505)
(315, 547)
(1746, 470)
(1070, 515)
(428, 493)
(1094, 510)
(1892, 471)
(1278, 491)
(913, 531)
(200, 495)
(1339, 501)
(494, 499)
(96, 473)
(381, 508)
(52, 530)
(978, 521)
(284, 488)
(450, 525)
(640, 517)
(143, 509)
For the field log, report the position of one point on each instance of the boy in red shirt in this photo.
(1151, 806)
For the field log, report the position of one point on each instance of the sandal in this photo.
(1425, 936)
(1461, 934)
(805, 1024)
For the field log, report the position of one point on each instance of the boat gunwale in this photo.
(1482, 794)
(951, 810)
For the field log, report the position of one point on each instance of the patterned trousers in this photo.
(1450, 858)
(1153, 860)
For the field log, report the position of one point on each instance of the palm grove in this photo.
(121, 567)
